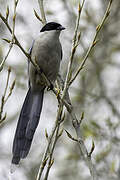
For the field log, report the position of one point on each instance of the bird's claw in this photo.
(57, 92)
(50, 87)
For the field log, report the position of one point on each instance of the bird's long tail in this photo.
(27, 124)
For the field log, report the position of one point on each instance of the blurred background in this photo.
(96, 91)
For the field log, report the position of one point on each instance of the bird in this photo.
(46, 51)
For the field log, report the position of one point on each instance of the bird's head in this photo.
(52, 26)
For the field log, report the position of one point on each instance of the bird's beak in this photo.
(60, 28)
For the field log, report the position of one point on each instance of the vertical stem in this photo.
(4, 95)
(40, 2)
(69, 71)
(55, 129)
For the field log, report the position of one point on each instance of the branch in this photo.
(87, 156)
(15, 38)
(3, 61)
(12, 31)
(94, 42)
(74, 46)
(76, 123)
(57, 135)
(40, 2)
(82, 147)
(4, 97)
(45, 158)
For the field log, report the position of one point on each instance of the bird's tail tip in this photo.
(13, 168)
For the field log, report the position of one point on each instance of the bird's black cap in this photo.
(52, 26)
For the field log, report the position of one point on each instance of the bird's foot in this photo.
(50, 87)
(57, 92)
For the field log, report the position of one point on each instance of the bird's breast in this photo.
(48, 57)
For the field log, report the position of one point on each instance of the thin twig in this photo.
(12, 31)
(16, 40)
(10, 92)
(37, 16)
(42, 165)
(83, 148)
(80, 7)
(3, 61)
(5, 20)
(51, 154)
(94, 42)
(40, 2)
(74, 46)
(4, 97)
(58, 120)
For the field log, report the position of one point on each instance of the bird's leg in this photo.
(50, 87)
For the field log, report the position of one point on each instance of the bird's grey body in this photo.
(49, 62)
(47, 53)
